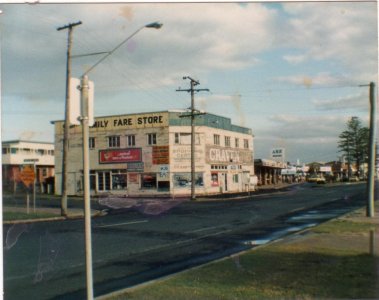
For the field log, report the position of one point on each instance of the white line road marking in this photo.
(202, 229)
(122, 224)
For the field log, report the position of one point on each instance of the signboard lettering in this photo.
(120, 156)
(123, 122)
(160, 155)
(221, 155)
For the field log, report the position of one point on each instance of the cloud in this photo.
(353, 102)
(309, 138)
(194, 39)
(306, 127)
(333, 31)
(323, 79)
(295, 59)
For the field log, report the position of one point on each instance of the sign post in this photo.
(27, 176)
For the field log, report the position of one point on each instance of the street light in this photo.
(155, 25)
(85, 129)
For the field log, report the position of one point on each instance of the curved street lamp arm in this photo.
(155, 25)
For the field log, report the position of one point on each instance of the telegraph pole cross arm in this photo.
(70, 25)
(192, 115)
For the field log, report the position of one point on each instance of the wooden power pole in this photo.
(192, 115)
(66, 116)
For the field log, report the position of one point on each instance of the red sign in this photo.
(120, 156)
(27, 176)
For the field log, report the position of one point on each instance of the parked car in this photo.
(319, 179)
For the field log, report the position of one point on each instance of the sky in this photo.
(290, 71)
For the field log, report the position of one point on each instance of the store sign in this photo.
(149, 120)
(326, 169)
(160, 155)
(277, 153)
(135, 167)
(132, 121)
(223, 155)
(163, 171)
(120, 156)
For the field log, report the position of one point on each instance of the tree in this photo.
(354, 143)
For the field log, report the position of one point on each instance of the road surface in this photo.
(139, 241)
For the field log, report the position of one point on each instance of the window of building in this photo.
(131, 140)
(246, 143)
(14, 150)
(184, 138)
(5, 150)
(50, 152)
(40, 151)
(235, 178)
(149, 181)
(237, 142)
(92, 180)
(216, 139)
(92, 143)
(114, 141)
(28, 150)
(152, 139)
(119, 179)
(227, 141)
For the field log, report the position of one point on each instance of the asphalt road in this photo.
(139, 241)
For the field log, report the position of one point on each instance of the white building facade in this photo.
(17, 154)
(150, 154)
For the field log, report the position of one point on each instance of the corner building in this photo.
(150, 154)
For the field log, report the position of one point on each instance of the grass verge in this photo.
(331, 261)
(13, 216)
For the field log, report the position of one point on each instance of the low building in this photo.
(150, 154)
(18, 153)
(269, 171)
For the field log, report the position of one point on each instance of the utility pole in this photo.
(192, 115)
(66, 115)
(370, 210)
(371, 167)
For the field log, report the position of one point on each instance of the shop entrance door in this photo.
(103, 181)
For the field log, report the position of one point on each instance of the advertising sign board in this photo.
(120, 156)
(278, 154)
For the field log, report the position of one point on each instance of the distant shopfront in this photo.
(150, 154)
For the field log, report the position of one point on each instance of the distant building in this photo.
(17, 153)
(150, 154)
(268, 171)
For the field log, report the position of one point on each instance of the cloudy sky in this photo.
(289, 71)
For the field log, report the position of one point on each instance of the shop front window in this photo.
(149, 181)
(119, 181)
(182, 180)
